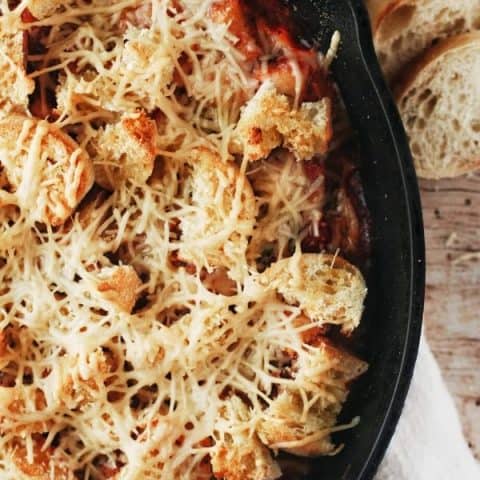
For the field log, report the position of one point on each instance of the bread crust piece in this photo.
(433, 115)
(326, 287)
(268, 121)
(49, 172)
(15, 85)
(124, 150)
(403, 29)
(284, 424)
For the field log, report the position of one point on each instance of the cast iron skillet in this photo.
(393, 316)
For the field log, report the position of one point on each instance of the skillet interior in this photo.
(393, 316)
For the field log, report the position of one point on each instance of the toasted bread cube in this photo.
(268, 121)
(120, 286)
(125, 150)
(240, 25)
(46, 464)
(138, 16)
(327, 288)
(15, 85)
(315, 366)
(3, 343)
(300, 418)
(244, 458)
(138, 79)
(49, 172)
(222, 214)
(44, 8)
(240, 455)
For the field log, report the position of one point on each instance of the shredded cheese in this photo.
(117, 358)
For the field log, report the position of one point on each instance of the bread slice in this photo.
(439, 100)
(403, 29)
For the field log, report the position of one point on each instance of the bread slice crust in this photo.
(404, 29)
(442, 156)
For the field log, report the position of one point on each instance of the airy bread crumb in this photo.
(43, 8)
(215, 230)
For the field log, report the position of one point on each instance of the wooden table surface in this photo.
(452, 312)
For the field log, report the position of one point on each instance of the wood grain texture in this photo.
(452, 312)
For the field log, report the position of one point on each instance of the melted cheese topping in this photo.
(288, 201)
(91, 387)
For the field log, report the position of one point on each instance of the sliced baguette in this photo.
(403, 29)
(439, 100)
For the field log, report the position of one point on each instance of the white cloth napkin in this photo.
(428, 443)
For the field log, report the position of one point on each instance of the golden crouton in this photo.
(139, 77)
(120, 285)
(240, 24)
(240, 455)
(124, 150)
(268, 121)
(285, 426)
(299, 418)
(221, 210)
(22, 400)
(326, 287)
(15, 85)
(218, 282)
(316, 366)
(44, 8)
(48, 172)
(79, 382)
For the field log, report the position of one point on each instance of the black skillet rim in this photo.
(416, 241)
(359, 85)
